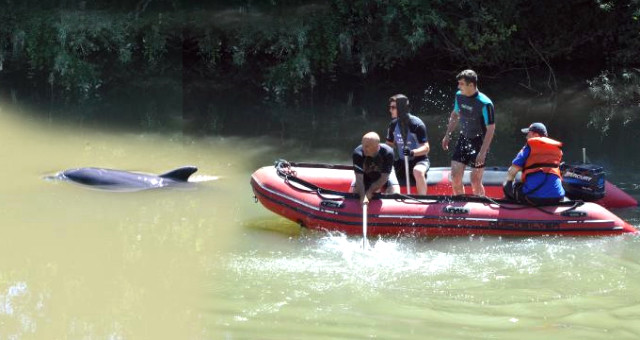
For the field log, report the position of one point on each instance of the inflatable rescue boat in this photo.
(317, 196)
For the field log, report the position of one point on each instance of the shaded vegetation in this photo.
(618, 94)
(191, 64)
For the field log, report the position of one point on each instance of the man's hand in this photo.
(370, 195)
(480, 159)
(407, 152)
(366, 198)
(445, 142)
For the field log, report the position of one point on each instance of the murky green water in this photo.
(209, 263)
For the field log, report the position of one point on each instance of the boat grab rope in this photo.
(504, 204)
(574, 204)
(285, 170)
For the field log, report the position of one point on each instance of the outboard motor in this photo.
(583, 181)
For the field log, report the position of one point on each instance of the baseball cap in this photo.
(536, 127)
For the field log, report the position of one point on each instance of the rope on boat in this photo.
(285, 170)
(504, 204)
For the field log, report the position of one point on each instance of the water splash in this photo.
(336, 261)
(436, 100)
(203, 178)
(328, 276)
(12, 293)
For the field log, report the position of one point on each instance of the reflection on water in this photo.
(211, 263)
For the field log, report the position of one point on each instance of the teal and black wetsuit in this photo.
(476, 113)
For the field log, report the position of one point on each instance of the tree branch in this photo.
(552, 75)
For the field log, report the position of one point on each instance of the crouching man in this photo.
(373, 167)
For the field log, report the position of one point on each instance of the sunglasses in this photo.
(392, 106)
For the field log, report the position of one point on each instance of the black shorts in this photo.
(467, 150)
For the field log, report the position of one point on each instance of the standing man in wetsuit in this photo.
(373, 167)
(475, 112)
(539, 160)
(417, 146)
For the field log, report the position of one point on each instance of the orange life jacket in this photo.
(545, 156)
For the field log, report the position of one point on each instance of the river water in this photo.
(209, 263)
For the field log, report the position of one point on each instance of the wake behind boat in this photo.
(316, 196)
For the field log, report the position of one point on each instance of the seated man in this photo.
(373, 166)
(416, 146)
(539, 161)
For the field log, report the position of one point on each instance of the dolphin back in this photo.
(180, 174)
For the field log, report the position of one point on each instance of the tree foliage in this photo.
(289, 52)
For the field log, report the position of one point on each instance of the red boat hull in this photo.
(422, 216)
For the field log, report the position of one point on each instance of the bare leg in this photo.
(393, 189)
(457, 170)
(419, 172)
(476, 181)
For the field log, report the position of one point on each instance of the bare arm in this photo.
(377, 185)
(453, 122)
(421, 150)
(486, 142)
(512, 172)
(359, 186)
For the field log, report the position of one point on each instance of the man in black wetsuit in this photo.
(475, 112)
(373, 167)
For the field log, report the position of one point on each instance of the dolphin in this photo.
(120, 180)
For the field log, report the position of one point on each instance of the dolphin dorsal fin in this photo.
(180, 174)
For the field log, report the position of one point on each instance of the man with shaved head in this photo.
(373, 166)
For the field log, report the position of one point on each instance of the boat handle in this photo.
(332, 204)
(573, 213)
(455, 210)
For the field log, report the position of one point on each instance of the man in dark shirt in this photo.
(475, 112)
(373, 167)
(416, 146)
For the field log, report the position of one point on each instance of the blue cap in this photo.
(537, 128)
